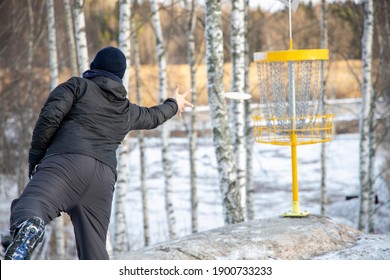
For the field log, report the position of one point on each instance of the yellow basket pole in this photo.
(294, 163)
(296, 212)
(294, 169)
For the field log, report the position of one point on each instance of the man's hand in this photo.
(180, 98)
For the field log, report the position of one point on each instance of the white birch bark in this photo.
(125, 36)
(162, 68)
(367, 96)
(121, 243)
(52, 44)
(80, 35)
(190, 15)
(238, 85)
(70, 35)
(141, 138)
(219, 117)
(59, 222)
(324, 45)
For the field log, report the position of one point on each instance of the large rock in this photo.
(368, 247)
(273, 238)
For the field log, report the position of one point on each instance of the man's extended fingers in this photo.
(182, 102)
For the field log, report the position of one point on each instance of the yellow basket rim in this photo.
(291, 55)
(274, 118)
(310, 133)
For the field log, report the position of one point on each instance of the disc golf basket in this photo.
(291, 84)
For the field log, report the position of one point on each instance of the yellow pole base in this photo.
(296, 212)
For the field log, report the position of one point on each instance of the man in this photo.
(72, 159)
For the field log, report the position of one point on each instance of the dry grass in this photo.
(342, 81)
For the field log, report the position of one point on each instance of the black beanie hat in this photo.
(110, 59)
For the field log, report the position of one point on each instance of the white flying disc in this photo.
(238, 95)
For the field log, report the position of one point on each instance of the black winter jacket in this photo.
(91, 117)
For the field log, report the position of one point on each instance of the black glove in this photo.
(34, 157)
(31, 170)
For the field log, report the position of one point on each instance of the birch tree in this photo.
(121, 243)
(380, 19)
(162, 77)
(26, 119)
(140, 135)
(238, 85)
(190, 16)
(52, 44)
(366, 136)
(80, 35)
(232, 209)
(249, 137)
(24, 98)
(59, 222)
(70, 36)
(324, 45)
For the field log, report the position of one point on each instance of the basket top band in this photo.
(291, 55)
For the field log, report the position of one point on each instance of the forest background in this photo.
(266, 31)
(23, 91)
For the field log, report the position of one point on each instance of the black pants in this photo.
(78, 185)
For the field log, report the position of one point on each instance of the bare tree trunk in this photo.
(367, 93)
(162, 68)
(141, 138)
(59, 222)
(190, 40)
(221, 133)
(31, 37)
(52, 44)
(125, 36)
(81, 36)
(382, 91)
(249, 137)
(370, 227)
(121, 243)
(70, 36)
(27, 114)
(324, 45)
(238, 85)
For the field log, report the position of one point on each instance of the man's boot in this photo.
(26, 237)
